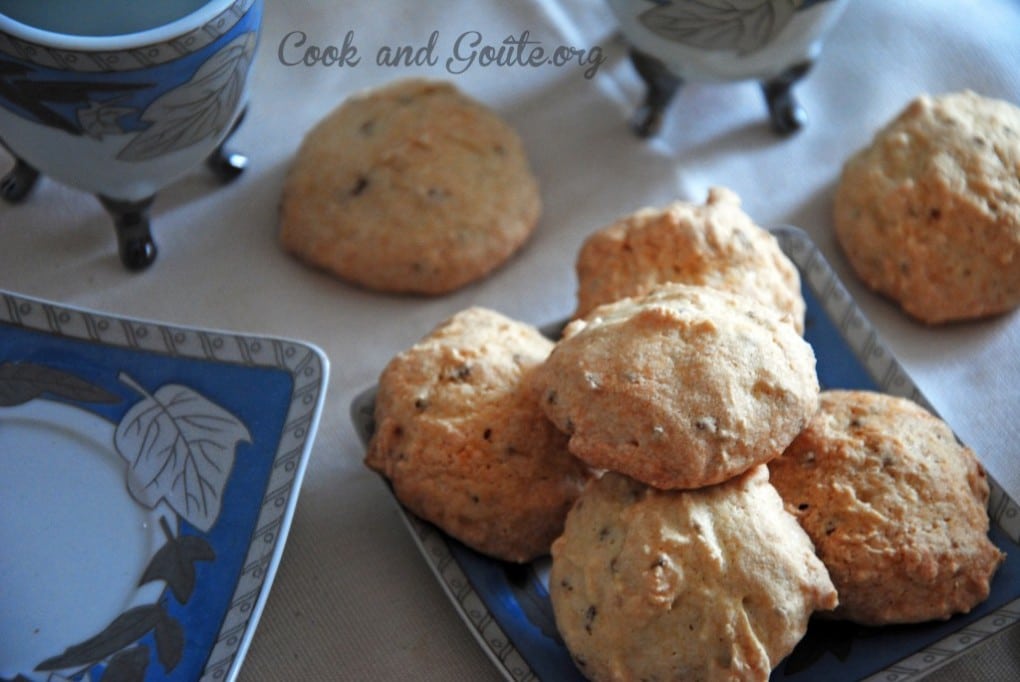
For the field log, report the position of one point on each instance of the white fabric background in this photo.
(353, 599)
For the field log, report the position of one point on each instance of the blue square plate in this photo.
(148, 477)
(506, 606)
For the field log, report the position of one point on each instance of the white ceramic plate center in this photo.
(73, 543)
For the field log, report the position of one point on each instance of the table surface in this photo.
(353, 599)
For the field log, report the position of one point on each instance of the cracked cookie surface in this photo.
(714, 244)
(716, 583)
(461, 438)
(684, 387)
(928, 213)
(895, 505)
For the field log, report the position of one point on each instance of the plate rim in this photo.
(308, 367)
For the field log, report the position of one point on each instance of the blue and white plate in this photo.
(506, 606)
(148, 477)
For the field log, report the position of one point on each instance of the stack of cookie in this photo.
(681, 376)
(637, 449)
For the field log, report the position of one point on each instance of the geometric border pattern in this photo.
(433, 546)
(494, 640)
(935, 656)
(140, 57)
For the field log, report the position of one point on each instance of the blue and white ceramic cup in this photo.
(772, 41)
(119, 98)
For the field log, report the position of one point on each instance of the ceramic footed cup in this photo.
(774, 42)
(120, 98)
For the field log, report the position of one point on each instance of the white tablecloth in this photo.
(353, 599)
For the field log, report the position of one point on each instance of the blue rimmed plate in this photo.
(148, 477)
(507, 609)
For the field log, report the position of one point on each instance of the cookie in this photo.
(928, 214)
(710, 584)
(461, 438)
(413, 187)
(895, 506)
(684, 387)
(714, 244)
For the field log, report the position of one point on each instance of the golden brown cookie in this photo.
(929, 213)
(896, 508)
(413, 187)
(684, 387)
(461, 437)
(710, 584)
(715, 244)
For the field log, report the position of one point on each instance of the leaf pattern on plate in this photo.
(180, 447)
(24, 381)
(200, 108)
(122, 632)
(175, 561)
(126, 663)
(741, 25)
(169, 635)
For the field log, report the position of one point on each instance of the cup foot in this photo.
(661, 86)
(785, 114)
(225, 164)
(138, 254)
(135, 244)
(18, 182)
(134, 236)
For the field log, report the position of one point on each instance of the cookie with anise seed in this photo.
(928, 213)
(895, 506)
(683, 387)
(716, 583)
(714, 244)
(413, 187)
(462, 439)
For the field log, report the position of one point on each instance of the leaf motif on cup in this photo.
(180, 447)
(43, 96)
(200, 108)
(740, 25)
(102, 118)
